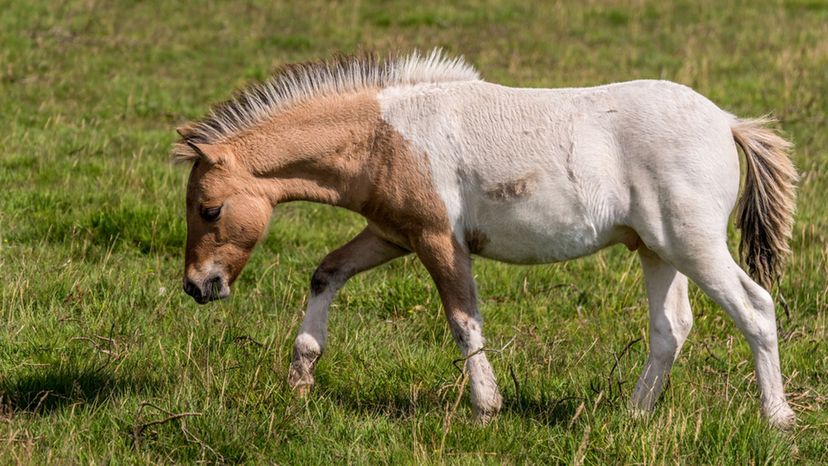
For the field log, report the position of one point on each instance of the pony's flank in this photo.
(295, 83)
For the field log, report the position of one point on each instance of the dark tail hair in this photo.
(766, 209)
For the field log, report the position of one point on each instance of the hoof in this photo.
(484, 418)
(639, 408)
(484, 414)
(485, 399)
(300, 379)
(302, 391)
(639, 413)
(782, 417)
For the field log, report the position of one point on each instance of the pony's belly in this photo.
(511, 237)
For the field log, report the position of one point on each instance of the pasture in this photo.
(104, 359)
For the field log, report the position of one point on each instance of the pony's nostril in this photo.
(191, 289)
(210, 290)
(213, 287)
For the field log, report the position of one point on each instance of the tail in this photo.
(766, 208)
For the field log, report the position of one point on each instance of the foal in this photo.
(445, 165)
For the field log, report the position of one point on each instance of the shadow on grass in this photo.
(394, 405)
(551, 412)
(400, 405)
(41, 392)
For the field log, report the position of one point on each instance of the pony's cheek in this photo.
(234, 261)
(248, 231)
(243, 235)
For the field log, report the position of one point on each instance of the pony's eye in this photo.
(210, 214)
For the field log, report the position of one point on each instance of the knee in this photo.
(325, 276)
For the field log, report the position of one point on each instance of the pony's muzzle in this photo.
(212, 289)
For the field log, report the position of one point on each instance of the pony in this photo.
(445, 165)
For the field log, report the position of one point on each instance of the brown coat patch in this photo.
(339, 151)
(513, 189)
(335, 150)
(403, 202)
(476, 240)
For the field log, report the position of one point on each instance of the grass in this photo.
(99, 347)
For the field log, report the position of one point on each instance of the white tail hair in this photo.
(766, 209)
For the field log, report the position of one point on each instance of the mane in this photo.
(295, 83)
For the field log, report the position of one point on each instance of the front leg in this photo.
(450, 266)
(364, 252)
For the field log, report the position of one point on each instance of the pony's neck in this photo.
(317, 151)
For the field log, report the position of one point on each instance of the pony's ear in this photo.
(213, 154)
(186, 131)
(188, 151)
(183, 152)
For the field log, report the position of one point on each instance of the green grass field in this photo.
(103, 359)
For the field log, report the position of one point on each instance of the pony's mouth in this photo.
(211, 290)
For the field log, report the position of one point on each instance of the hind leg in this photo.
(751, 308)
(670, 323)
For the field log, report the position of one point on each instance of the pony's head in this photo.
(226, 217)
(284, 126)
